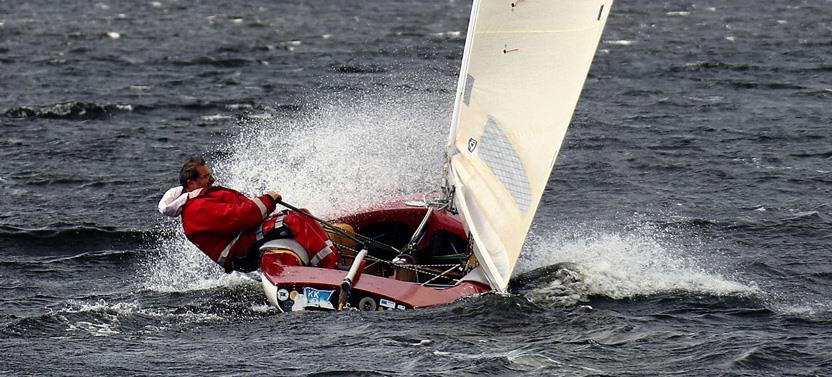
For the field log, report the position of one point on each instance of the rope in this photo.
(355, 237)
(410, 267)
(440, 203)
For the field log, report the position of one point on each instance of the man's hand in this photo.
(275, 196)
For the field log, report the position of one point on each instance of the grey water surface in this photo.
(686, 229)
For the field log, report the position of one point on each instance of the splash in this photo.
(806, 308)
(641, 261)
(101, 318)
(335, 156)
(343, 154)
(175, 265)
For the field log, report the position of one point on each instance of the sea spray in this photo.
(343, 153)
(635, 260)
(174, 264)
(337, 155)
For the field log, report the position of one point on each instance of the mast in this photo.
(447, 187)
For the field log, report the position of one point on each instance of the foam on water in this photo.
(518, 360)
(121, 308)
(621, 42)
(94, 329)
(641, 261)
(101, 318)
(805, 308)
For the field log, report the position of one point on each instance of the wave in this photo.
(211, 61)
(740, 84)
(244, 106)
(75, 110)
(358, 68)
(703, 66)
(510, 362)
(705, 104)
(66, 239)
(808, 310)
(72, 110)
(786, 219)
(86, 258)
(690, 223)
(815, 42)
(102, 319)
(587, 261)
(69, 232)
(824, 155)
(622, 42)
(812, 221)
(821, 68)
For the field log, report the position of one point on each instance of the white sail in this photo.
(523, 69)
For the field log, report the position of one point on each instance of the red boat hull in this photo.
(292, 287)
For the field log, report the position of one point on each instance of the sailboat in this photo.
(523, 69)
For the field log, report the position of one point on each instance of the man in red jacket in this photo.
(229, 227)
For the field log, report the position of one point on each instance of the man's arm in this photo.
(217, 215)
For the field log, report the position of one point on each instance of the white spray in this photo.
(344, 155)
(338, 155)
(642, 260)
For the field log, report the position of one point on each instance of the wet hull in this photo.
(294, 288)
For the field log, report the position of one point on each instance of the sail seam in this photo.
(516, 31)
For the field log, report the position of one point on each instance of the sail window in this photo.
(469, 84)
(496, 150)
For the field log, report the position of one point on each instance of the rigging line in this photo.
(417, 268)
(440, 275)
(359, 238)
(411, 267)
(355, 237)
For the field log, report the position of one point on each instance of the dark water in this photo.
(686, 228)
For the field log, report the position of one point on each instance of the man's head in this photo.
(195, 174)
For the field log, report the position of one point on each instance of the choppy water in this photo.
(686, 228)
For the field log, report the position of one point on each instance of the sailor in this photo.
(229, 227)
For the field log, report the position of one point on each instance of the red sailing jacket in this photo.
(223, 222)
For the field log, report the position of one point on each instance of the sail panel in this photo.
(524, 66)
(499, 155)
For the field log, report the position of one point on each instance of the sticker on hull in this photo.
(313, 299)
(386, 303)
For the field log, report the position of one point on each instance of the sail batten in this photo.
(524, 31)
(522, 72)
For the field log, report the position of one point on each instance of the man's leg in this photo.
(309, 234)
